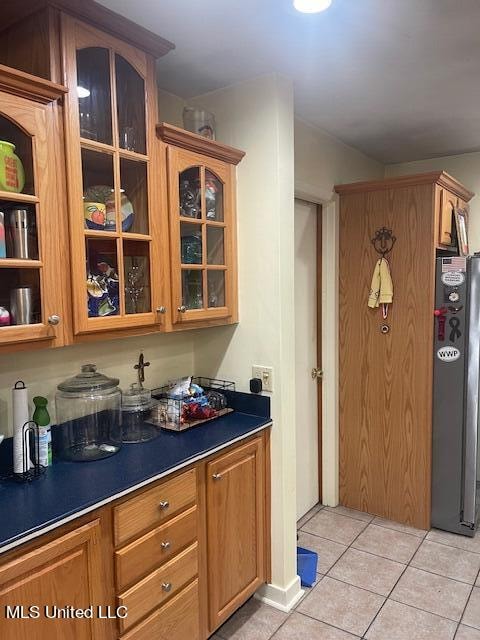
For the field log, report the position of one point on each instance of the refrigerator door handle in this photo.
(470, 435)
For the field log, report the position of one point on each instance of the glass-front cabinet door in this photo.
(113, 190)
(33, 260)
(202, 231)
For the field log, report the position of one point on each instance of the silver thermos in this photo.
(19, 234)
(21, 305)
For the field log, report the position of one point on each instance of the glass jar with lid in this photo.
(136, 409)
(88, 408)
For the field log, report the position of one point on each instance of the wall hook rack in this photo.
(383, 241)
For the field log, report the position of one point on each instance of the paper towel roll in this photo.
(20, 417)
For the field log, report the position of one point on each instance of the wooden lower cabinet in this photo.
(235, 529)
(177, 620)
(64, 572)
(179, 575)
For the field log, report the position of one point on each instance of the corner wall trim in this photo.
(282, 599)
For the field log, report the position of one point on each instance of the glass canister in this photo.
(136, 408)
(88, 410)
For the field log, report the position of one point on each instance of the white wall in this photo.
(322, 161)
(170, 108)
(257, 116)
(169, 355)
(465, 168)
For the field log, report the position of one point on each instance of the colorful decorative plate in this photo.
(99, 220)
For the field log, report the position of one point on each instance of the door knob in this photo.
(317, 374)
(165, 544)
(217, 476)
(164, 504)
(167, 586)
(162, 309)
(53, 320)
(182, 309)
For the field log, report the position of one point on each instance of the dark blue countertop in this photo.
(69, 488)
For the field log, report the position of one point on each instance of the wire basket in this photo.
(169, 412)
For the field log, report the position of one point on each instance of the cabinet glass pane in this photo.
(130, 106)
(192, 288)
(216, 288)
(213, 196)
(190, 193)
(94, 94)
(215, 245)
(136, 262)
(18, 231)
(134, 196)
(98, 192)
(20, 301)
(102, 278)
(16, 165)
(191, 243)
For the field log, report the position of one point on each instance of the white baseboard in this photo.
(282, 599)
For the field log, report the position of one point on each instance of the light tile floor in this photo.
(377, 580)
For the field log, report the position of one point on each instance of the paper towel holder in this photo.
(30, 431)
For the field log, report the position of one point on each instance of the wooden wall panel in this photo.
(386, 380)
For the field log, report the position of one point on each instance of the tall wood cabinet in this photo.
(386, 375)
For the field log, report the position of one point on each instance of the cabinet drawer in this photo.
(177, 620)
(159, 586)
(154, 548)
(154, 506)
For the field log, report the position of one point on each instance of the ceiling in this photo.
(397, 79)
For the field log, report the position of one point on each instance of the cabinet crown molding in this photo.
(441, 178)
(96, 15)
(193, 142)
(31, 87)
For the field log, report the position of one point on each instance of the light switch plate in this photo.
(265, 374)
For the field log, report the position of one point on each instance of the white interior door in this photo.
(306, 355)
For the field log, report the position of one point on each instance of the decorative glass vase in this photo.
(12, 174)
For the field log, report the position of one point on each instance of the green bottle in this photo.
(42, 418)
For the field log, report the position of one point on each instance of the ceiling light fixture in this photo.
(311, 6)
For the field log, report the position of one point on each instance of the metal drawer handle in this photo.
(167, 586)
(164, 504)
(217, 476)
(182, 309)
(162, 309)
(165, 544)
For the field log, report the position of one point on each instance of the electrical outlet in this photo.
(265, 374)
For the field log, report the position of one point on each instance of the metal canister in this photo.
(21, 305)
(19, 232)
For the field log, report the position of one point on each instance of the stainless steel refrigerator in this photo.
(456, 461)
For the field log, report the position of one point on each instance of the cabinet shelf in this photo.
(17, 263)
(18, 197)
(92, 233)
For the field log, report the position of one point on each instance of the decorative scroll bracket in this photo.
(383, 241)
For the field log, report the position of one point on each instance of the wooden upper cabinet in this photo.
(235, 529)
(119, 260)
(64, 572)
(201, 209)
(33, 257)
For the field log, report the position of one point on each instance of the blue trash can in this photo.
(307, 566)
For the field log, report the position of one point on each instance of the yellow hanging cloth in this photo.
(381, 289)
